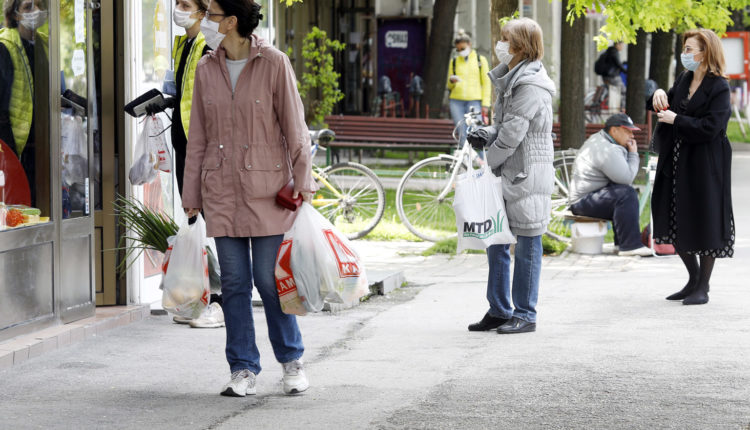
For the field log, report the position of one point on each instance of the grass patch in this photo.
(551, 246)
(448, 246)
(735, 134)
(390, 226)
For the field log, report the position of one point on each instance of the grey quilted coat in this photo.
(521, 150)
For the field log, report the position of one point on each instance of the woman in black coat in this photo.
(692, 201)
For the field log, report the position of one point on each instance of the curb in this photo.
(22, 348)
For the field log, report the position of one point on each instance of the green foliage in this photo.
(290, 2)
(504, 20)
(145, 228)
(626, 17)
(551, 246)
(319, 75)
(448, 246)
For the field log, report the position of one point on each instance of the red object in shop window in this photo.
(16, 191)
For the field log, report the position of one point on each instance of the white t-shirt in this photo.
(235, 67)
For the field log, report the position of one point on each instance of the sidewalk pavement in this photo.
(609, 353)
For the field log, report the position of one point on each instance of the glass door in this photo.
(78, 125)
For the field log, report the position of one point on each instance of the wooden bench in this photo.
(399, 134)
(415, 134)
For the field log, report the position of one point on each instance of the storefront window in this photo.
(74, 110)
(24, 115)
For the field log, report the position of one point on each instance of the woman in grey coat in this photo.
(519, 148)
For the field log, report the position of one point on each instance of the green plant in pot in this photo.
(147, 229)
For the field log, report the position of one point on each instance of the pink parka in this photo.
(243, 147)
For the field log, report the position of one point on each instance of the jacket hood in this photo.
(525, 73)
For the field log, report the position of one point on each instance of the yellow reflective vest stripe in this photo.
(21, 109)
(188, 74)
(475, 84)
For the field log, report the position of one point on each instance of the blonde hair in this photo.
(713, 51)
(525, 37)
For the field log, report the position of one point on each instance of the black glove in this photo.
(479, 138)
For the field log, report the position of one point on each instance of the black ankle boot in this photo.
(680, 295)
(697, 297)
(488, 323)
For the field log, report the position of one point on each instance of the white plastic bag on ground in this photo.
(317, 264)
(481, 219)
(186, 287)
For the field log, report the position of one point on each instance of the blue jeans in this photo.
(618, 203)
(526, 272)
(238, 272)
(458, 109)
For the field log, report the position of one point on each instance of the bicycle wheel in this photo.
(418, 200)
(353, 200)
(559, 227)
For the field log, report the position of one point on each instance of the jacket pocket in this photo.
(264, 171)
(212, 182)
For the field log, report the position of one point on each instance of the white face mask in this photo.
(210, 30)
(465, 52)
(183, 19)
(501, 51)
(33, 20)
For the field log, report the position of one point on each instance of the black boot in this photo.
(697, 297)
(488, 323)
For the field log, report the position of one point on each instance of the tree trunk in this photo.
(677, 51)
(438, 54)
(636, 92)
(662, 44)
(499, 9)
(573, 40)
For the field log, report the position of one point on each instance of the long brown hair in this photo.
(713, 51)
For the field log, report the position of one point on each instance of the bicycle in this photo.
(350, 195)
(424, 197)
(559, 227)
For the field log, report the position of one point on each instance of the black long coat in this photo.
(704, 193)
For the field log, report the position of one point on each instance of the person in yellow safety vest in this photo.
(468, 82)
(17, 43)
(186, 52)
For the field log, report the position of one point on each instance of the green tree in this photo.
(319, 78)
(626, 17)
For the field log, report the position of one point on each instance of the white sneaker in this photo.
(643, 251)
(242, 383)
(294, 380)
(211, 317)
(181, 320)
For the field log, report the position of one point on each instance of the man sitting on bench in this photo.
(600, 187)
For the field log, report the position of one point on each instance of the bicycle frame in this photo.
(319, 202)
(465, 155)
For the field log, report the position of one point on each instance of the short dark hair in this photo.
(247, 13)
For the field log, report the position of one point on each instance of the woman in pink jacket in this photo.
(247, 139)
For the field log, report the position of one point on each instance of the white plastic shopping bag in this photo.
(151, 153)
(317, 264)
(186, 287)
(481, 219)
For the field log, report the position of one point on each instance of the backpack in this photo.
(600, 66)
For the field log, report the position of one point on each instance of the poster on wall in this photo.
(401, 51)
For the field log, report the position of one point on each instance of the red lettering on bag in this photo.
(285, 283)
(348, 262)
